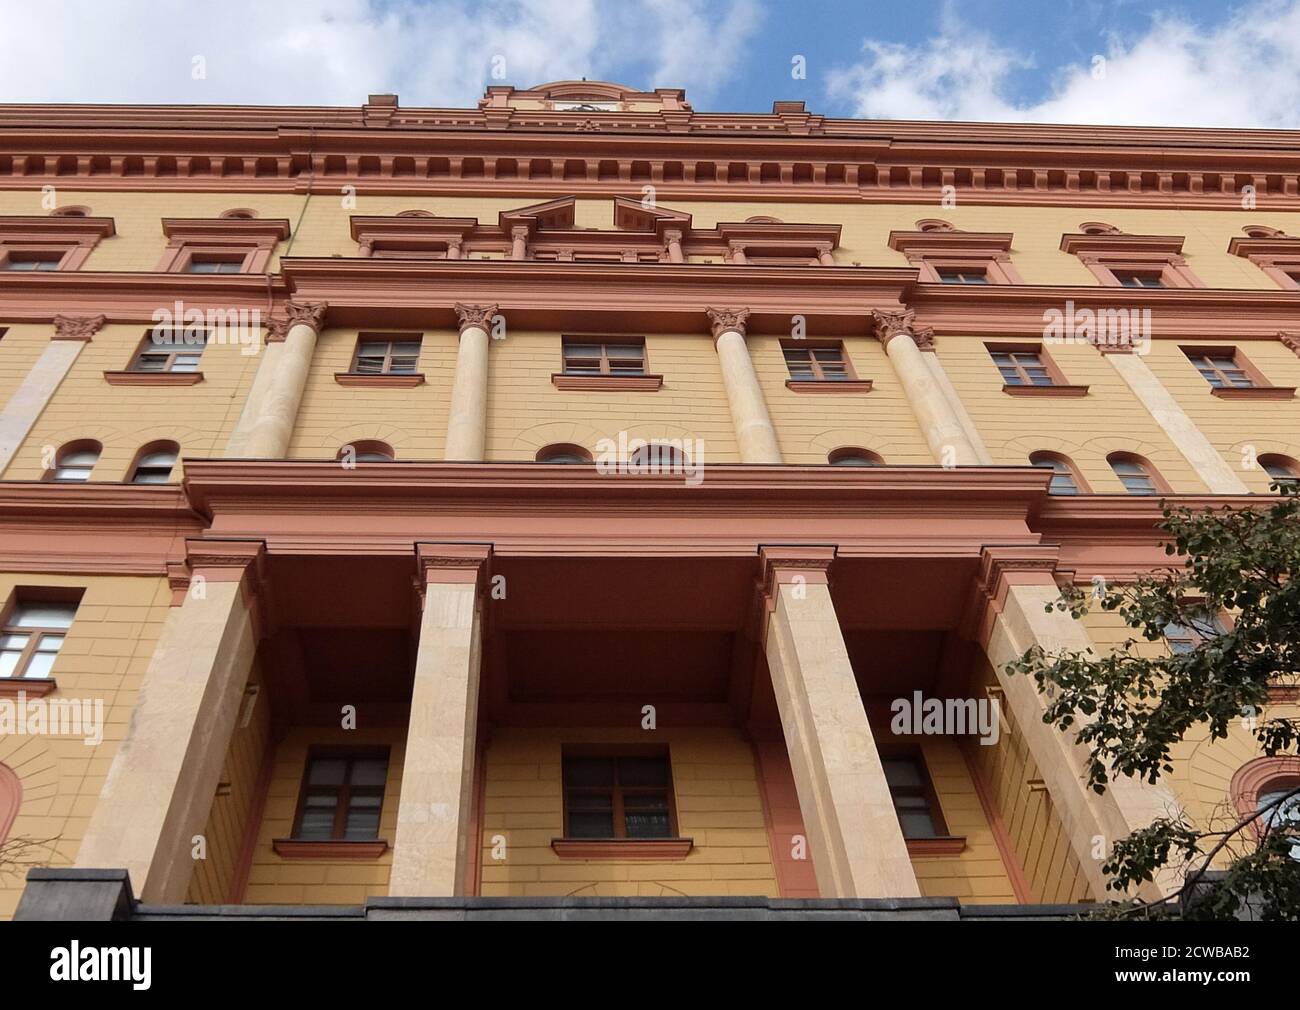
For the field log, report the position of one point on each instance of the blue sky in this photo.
(1181, 63)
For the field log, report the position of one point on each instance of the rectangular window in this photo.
(914, 798)
(1220, 367)
(1022, 367)
(170, 351)
(816, 364)
(585, 357)
(32, 636)
(1139, 278)
(212, 265)
(342, 796)
(963, 275)
(397, 355)
(1184, 638)
(33, 261)
(618, 796)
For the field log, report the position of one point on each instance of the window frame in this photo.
(1158, 483)
(71, 448)
(1060, 459)
(1193, 352)
(24, 596)
(604, 343)
(1058, 385)
(389, 339)
(916, 754)
(148, 345)
(338, 828)
(617, 810)
(151, 449)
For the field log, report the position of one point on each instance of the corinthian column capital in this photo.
(77, 327)
(722, 320)
(294, 314)
(475, 315)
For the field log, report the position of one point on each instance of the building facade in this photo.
(585, 496)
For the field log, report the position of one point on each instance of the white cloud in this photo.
(1241, 72)
(335, 52)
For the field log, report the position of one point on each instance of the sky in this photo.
(1190, 63)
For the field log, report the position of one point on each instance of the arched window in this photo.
(1099, 228)
(70, 211)
(366, 450)
(154, 463)
(1137, 475)
(1265, 786)
(563, 452)
(853, 456)
(1280, 469)
(1065, 478)
(657, 457)
(11, 797)
(74, 461)
(239, 214)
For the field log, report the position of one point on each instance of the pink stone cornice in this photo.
(477, 316)
(77, 327)
(727, 320)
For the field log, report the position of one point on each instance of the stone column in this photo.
(160, 786)
(904, 342)
(263, 379)
(673, 244)
(519, 243)
(453, 250)
(755, 436)
(467, 416)
(1189, 440)
(1018, 583)
(824, 256)
(270, 434)
(432, 846)
(71, 334)
(853, 831)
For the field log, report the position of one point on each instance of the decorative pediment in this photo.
(949, 239)
(412, 236)
(1082, 244)
(554, 215)
(634, 216)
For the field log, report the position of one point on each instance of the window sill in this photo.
(608, 383)
(297, 848)
(622, 848)
(1061, 390)
(33, 687)
(829, 385)
(379, 381)
(1254, 392)
(949, 845)
(153, 378)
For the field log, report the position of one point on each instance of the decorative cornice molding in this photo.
(1290, 340)
(727, 320)
(450, 564)
(477, 316)
(77, 327)
(798, 564)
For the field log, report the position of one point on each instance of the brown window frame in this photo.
(1054, 375)
(604, 343)
(24, 596)
(148, 345)
(389, 339)
(926, 791)
(1158, 485)
(617, 809)
(339, 827)
(1058, 459)
(1195, 355)
(818, 373)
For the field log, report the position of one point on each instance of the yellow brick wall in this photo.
(215, 875)
(1109, 419)
(123, 418)
(1047, 860)
(1202, 767)
(275, 880)
(103, 658)
(977, 875)
(718, 805)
